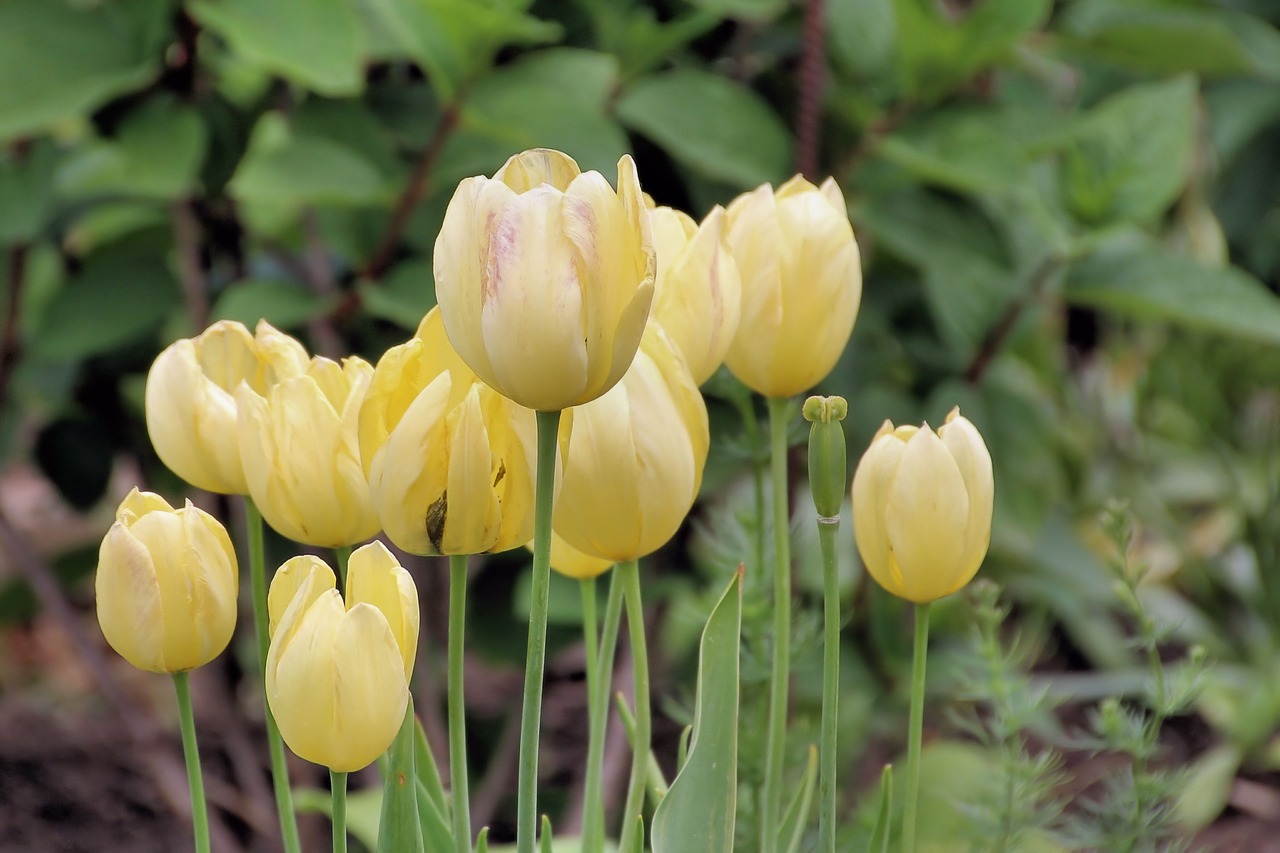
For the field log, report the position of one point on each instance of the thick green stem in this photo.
(755, 576)
(342, 555)
(458, 705)
(916, 728)
(780, 676)
(338, 788)
(598, 716)
(629, 574)
(827, 529)
(195, 781)
(275, 744)
(536, 654)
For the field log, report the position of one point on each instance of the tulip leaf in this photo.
(60, 58)
(544, 836)
(699, 809)
(399, 828)
(1154, 285)
(433, 804)
(316, 44)
(363, 810)
(797, 814)
(884, 814)
(672, 110)
(482, 842)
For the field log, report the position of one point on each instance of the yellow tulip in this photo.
(190, 398)
(301, 454)
(450, 462)
(338, 673)
(166, 585)
(697, 291)
(544, 276)
(633, 459)
(922, 507)
(801, 285)
(572, 563)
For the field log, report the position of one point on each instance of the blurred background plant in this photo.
(1069, 214)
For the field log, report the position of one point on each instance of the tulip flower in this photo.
(338, 672)
(301, 455)
(190, 398)
(801, 285)
(450, 462)
(544, 276)
(697, 292)
(922, 505)
(166, 585)
(633, 459)
(572, 563)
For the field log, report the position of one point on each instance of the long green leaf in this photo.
(880, 835)
(399, 828)
(699, 809)
(797, 814)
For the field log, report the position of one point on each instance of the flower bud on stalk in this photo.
(828, 463)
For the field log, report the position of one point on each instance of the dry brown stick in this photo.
(810, 80)
(414, 192)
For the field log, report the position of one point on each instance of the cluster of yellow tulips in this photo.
(557, 292)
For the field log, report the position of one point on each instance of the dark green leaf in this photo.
(404, 297)
(283, 305)
(76, 455)
(316, 44)
(1149, 284)
(961, 151)
(399, 830)
(26, 192)
(703, 120)
(862, 36)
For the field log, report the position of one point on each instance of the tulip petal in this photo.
(370, 692)
(871, 483)
(128, 599)
(529, 169)
(300, 683)
(473, 512)
(304, 571)
(974, 461)
(410, 475)
(375, 576)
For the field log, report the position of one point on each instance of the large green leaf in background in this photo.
(958, 150)
(26, 191)
(1133, 153)
(699, 809)
(318, 44)
(716, 127)
(1151, 284)
(60, 59)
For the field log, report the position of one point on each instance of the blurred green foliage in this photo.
(1069, 214)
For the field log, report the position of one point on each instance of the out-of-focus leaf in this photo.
(363, 811)
(285, 169)
(960, 151)
(404, 297)
(1207, 787)
(1149, 284)
(317, 44)
(454, 40)
(700, 806)
(552, 98)
(283, 305)
(156, 152)
(26, 191)
(937, 54)
(751, 10)
(76, 456)
(1132, 156)
(120, 296)
(1238, 110)
(399, 830)
(705, 121)
(883, 827)
(1171, 38)
(862, 35)
(60, 58)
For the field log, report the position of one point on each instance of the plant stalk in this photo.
(629, 574)
(916, 729)
(338, 788)
(598, 716)
(191, 752)
(775, 753)
(458, 704)
(827, 529)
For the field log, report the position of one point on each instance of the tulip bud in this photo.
(801, 285)
(572, 563)
(922, 504)
(697, 291)
(338, 673)
(166, 585)
(633, 459)
(544, 276)
(190, 398)
(450, 462)
(301, 454)
(828, 461)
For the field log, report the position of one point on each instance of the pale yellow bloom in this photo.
(301, 456)
(570, 562)
(697, 291)
(190, 398)
(166, 585)
(450, 461)
(801, 285)
(922, 504)
(633, 459)
(544, 276)
(338, 672)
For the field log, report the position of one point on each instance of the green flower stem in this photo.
(775, 750)
(629, 574)
(338, 787)
(827, 529)
(590, 642)
(195, 781)
(275, 745)
(598, 715)
(342, 554)
(536, 653)
(458, 705)
(916, 728)
(752, 424)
